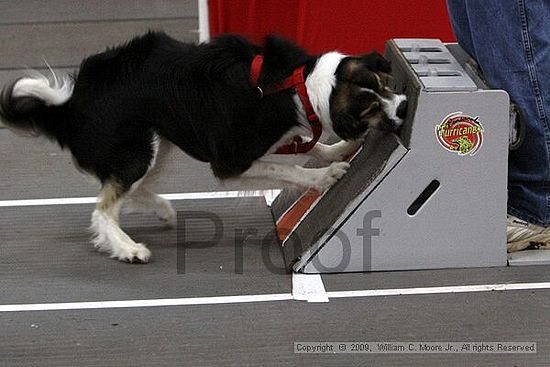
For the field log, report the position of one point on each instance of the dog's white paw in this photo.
(132, 253)
(328, 176)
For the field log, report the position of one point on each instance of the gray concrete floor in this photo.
(45, 255)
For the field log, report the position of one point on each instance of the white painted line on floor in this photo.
(268, 194)
(39, 202)
(439, 290)
(267, 297)
(308, 287)
(146, 303)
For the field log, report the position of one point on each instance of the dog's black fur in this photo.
(197, 96)
(200, 98)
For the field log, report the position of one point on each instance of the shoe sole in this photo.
(516, 246)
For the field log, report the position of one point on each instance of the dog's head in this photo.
(363, 99)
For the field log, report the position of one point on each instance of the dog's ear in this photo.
(376, 62)
(351, 67)
(356, 71)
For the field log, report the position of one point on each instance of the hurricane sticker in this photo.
(460, 134)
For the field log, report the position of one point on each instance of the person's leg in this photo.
(510, 40)
(458, 16)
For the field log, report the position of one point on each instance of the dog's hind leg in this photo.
(107, 234)
(142, 198)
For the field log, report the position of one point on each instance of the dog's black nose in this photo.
(401, 111)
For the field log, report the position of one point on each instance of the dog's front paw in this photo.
(133, 253)
(338, 152)
(329, 175)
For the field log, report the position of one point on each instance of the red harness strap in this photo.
(297, 81)
(255, 70)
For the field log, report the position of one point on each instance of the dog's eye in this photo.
(371, 110)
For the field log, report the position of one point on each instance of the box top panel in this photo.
(436, 67)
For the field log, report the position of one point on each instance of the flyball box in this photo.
(433, 196)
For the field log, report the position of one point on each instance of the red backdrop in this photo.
(350, 26)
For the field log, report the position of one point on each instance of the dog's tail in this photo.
(34, 104)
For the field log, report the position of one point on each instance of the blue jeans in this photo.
(510, 39)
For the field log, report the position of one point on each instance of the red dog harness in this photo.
(297, 81)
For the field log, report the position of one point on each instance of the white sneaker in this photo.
(521, 235)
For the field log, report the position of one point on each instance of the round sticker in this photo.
(460, 134)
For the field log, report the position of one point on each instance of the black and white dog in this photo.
(127, 105)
